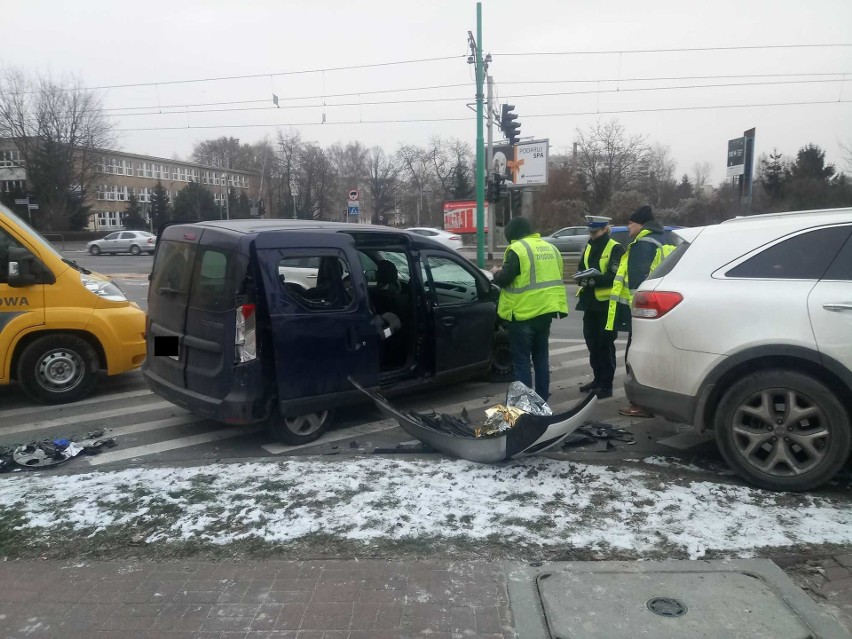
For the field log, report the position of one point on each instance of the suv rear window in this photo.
(803, 257)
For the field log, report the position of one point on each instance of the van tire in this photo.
(57, 369)
(300, 429)
(135, 250)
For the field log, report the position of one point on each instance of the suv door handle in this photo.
(838, 306)
(448, 321)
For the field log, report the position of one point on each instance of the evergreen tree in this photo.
(160, 211)
(194, 202)
(132, 218)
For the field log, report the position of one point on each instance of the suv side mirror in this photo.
(25, 269)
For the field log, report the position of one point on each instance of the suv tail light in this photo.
(654, 304)
(245, 337)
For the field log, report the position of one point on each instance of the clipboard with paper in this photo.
(588, 274)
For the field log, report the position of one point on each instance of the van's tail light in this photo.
(245, 338)
(654, 304)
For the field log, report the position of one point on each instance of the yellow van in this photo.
(60, 324)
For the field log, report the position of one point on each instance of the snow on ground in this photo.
(538, 501)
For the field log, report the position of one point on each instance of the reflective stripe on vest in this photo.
(621, 287)
(539, 288)
(601, 294)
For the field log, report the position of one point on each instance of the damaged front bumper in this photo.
(531, 433)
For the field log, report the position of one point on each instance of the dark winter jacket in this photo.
(642, 255)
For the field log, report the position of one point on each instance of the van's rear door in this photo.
(322, 334)
(168, 296)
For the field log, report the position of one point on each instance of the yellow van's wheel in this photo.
(56, 369)
(300, 429)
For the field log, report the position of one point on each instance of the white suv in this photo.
(747, 329)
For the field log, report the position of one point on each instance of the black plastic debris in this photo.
(510, 431)
(597, 431)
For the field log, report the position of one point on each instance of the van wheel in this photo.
(94, 250)
(782, 430)
(135, 250)
(300, 429)
(501, 358)
(57, 369)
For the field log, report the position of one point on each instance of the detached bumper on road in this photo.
(673, 406)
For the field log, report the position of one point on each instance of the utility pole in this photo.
(489, 160)
(476, 59)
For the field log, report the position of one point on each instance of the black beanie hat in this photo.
(642, 215)
(517, 228)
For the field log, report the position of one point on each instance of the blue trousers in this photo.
(528, 341)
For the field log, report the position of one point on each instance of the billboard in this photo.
(736, 157)
(460, 216)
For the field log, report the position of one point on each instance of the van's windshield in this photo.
(34, 235)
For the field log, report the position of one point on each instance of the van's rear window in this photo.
(172, 268)
(213, 288)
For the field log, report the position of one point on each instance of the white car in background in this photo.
(450, 240)
(746, 329)
(133, 242)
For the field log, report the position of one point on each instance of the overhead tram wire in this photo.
(840, 78)
(445, 58)
(464, 98)
(471, 118)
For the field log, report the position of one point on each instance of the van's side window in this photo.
(319, 283)
(449, 282)
(6, 242)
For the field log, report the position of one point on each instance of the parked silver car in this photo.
(571, 239)
(133, 242)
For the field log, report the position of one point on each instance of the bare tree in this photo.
(287, 153)
(846, 149)
(225, 153)
(610, 161)
(701, 174)
(60, 131)
(383, 174)
(414, 170)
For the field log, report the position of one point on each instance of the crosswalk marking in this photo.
(334, 436)
(170, 444)
(90, 417)
(32, 410)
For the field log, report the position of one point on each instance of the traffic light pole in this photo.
(480, 155)
(489, 166)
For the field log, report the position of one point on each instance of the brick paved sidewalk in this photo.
(253, 600)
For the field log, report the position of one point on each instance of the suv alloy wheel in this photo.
(782, 430)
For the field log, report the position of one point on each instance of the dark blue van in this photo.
(254, 320)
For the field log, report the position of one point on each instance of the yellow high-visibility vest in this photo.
(539, 288)
(601, 294)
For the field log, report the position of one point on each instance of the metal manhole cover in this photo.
(666, 607)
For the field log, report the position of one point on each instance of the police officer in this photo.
(532, 294)
(642, 256)
(603, 254)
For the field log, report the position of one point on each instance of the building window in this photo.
(128, 168)
(182, 173)
(10, 158)
(144, 194)
(7, 186)
(174, 173)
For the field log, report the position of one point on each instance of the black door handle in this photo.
(448, 321)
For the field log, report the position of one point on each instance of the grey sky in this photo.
(109, 43)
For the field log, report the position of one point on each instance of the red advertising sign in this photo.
(460, 216)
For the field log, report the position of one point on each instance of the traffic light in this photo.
(497, 188)
(516, 201)
(510, 128)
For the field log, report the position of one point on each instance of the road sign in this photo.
(33, 207)
(736, 157)
(354, 208)
(24, 201)
(354, 195)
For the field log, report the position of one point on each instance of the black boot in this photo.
(585, 388)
